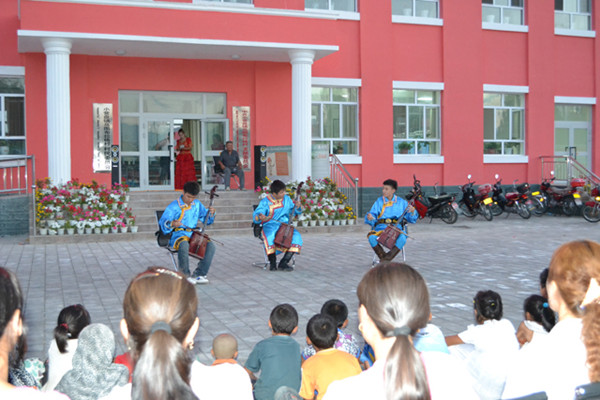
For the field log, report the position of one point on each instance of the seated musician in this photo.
(386, 210)
(179, 217)
(271, 211)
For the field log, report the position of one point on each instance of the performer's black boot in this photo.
(272, 262)
(379, 251)
(283, 264)
(391, 254)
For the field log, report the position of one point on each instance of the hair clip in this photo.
(545, 305)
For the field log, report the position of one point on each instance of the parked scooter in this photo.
(591, 209)
(436, 206)
(513, 202)
(565, 198)
(472, 204)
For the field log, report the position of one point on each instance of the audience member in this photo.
(539, 319)
(71, 321)
(278, 357)
(430, 338)
(543, 279)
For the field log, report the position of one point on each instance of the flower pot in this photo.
(127, 199)
(60, 231)
(70, 231)
(351, 222)
(336, 222)
(123, 229)
(105, 231)
(115, 206)
(51, 232)
(43, 231)
(97, 231)
(313, 222)
(304, 223)
(89, 231)
(294, 223)
(322, 222)
(80, 231)
(115, 229)
(134, 229)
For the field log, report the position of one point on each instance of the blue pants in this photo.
(183, 259)
(400, 242)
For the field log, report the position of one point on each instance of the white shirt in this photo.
(25, 393)
(59, 363)
(222, 381)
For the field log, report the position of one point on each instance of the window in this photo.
(337, 5)
(335, 118)
(504, 123)
(502, 11)
(226, 1)
(416, 122)
(573, 14)
(416, 8)
(12, 116)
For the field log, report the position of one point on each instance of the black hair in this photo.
(488, 305)
(544, 277)
(337, 310)
(227, 142)
(277, 186)
(11, 300)
(71, 320)
(322, 331)
(391, 182)
(191, 187)
(537, 307)
(284, 319)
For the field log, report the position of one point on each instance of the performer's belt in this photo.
(386, 221)
(183, 229)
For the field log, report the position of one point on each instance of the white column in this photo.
(58, 105)
(301, 110)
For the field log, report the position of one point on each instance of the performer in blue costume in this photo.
(185, 212)
(386, 210)
(271, 211)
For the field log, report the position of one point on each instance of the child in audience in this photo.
(488, 347)
(539, 319)
(430, 338)
(278, 357)
(543, 279)
(71, 321)
(328, 364)
(337, 310)
(225, 378)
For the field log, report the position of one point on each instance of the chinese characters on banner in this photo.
(103, 133)
(241, 134)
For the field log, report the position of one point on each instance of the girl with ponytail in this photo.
(393, 306)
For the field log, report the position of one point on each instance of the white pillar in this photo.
(58, 105)
(301, 111)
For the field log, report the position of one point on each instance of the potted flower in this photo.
(122, 226)
(313, 219)
(70, 226)
(132, 225)
(405, 147)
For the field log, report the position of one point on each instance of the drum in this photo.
(389, 236)
(283, 237)
(198, 243)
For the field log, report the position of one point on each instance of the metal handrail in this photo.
(16, 169)
(345, 182)
(566, 168)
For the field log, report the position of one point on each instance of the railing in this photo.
(17, 175)
(347, 184)
(566, 168)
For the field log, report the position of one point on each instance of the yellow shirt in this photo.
(325, 367)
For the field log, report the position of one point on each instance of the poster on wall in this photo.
(103, 133)
(319, 160)
(279, 163)
(241, 134)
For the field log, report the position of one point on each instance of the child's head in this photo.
(224, 347)
(337, 310)
(283, 319)
(321, 331)
(543, 279)
(536, 309)
(487, 305)
(191, 187)
(71, 320)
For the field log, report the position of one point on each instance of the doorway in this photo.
(573, 134)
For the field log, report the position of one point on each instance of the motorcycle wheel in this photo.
(495, 209)
(465, 210)
(569, 207)
(591, 213)
(448, 214)
(486, 212)
(523, 211)
(536, 206)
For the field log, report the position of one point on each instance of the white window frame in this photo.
(12, 72)
(421, 158)
(224, 3)
(508, 158)
(343, 83)
(412, 18)
(330, 8)
(575, 32)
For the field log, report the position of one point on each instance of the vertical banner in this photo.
(103, 133)
(320, 160)
(241, 134)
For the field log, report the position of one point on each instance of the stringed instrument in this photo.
(283, 237)
(391, 233)
(199, 240)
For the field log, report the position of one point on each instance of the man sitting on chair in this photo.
(386, 210)
(179, 217)
(230, 163)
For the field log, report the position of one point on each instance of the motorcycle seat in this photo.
(439, 197)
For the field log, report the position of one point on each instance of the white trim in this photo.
(418, 159)
(504, 27)
(349, 158)
(504, 159)
(418, 85)
(12, 71)
(574, 100)
(336, 14)
(505, 88)
(402, 19)
(573, 32)
(336, 82)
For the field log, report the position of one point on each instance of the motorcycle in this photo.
(591, 209)
(565, 198)
(515, 202)
(472, 204)
(436, 206)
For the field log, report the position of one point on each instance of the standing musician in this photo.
(271, 211)
(386, 210)
(179, 217)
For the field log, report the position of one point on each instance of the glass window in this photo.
(502, 11)
(12, 116)
(416, 127)
(336, 5)
(416, 8)
(335, 118)
(228, 1)
(573, 14)
(503, 123)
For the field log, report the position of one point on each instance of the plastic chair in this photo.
(163, 240)
(220, 174)
(258, 233)
(376, 259)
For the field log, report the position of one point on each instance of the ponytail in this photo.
(405, 377)
(71, 321)
(591, 338)
(61, 335)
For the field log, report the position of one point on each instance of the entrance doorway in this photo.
(573, 134)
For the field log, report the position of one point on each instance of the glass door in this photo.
(573, 139)
(215, 132)
(156, 158)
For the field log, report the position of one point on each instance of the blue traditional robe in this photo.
(187, 215)
(277, 211)
(385, 213)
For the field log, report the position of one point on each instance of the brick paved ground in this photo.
(505, 255)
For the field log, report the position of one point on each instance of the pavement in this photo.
(505, 255)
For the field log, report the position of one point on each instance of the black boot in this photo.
(391, 254)
(272, 262)
(283, 264)
(379, 251)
